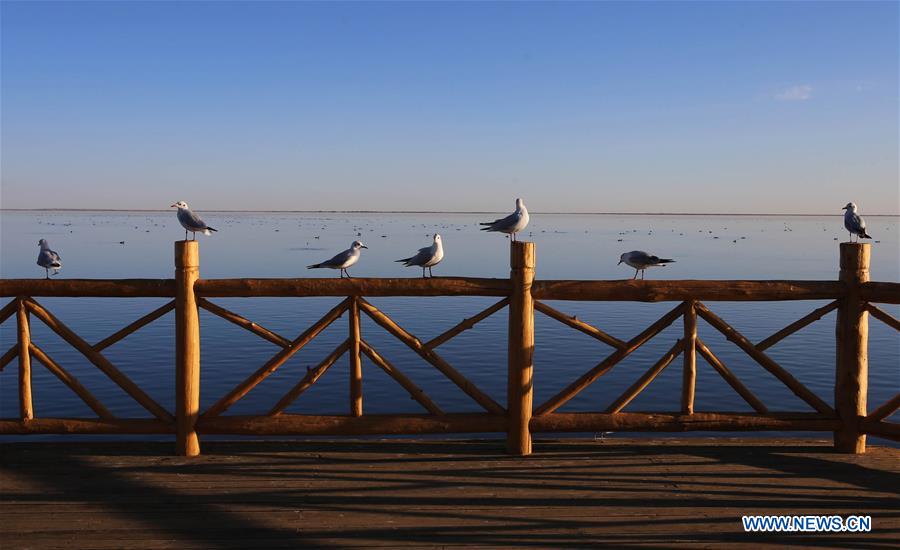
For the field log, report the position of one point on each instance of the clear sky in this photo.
(680, 107)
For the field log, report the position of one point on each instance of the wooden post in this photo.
(26, 407)
(852, 332)
(187, 348)
(689, 376)
(521, 349)
(356, 402)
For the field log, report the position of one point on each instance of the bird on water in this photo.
(427, 257)
(854, 223)
(191, 221)
(512, 224)
(343, 260)
(640, 261)
(48, 259)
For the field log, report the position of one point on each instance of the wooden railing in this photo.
(853, 296)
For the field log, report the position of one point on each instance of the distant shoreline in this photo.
(440, 212)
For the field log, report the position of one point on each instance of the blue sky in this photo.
(678, 107)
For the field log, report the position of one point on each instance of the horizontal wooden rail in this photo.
(140, 426)
(681, 290)
(436, 286)
(370, 424)
(89, 288)
(884, 293)
(678, 422)
(887, 430)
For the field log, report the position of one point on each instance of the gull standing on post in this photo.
(511, 224)
(190, 221)
(428, 257)
(854, 223)
(48, 259)
(343, 260)
(640, 261)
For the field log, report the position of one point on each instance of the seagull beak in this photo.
(844, 208)
(173, 206)
(366, 247)
(620, 262)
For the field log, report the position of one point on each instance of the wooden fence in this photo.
(852, 295)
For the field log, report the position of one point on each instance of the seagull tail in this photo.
(314, 266)
(865, 235)
(487, 228)
(208, 229)
(486, 223)
(666, 261)
(404, 260)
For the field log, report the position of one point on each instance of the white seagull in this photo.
(854, 223)
(640, 261)
(343, 260)
(511, 224)
(190, 221)
(428, 257)
(48, 259)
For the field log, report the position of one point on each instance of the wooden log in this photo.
(797, 325)
(731, 378)
(26, 406)
(887, 430)
(370, 424)
(417, 393)
(577, 324)
(432, 357)
(276, 361)
(9, 309)
(667, 291)
(84, 426)
(244, 323)
(677, 422)
(852, 336)
(689, 373)
(356, 397)
(635, 389)
(70, 381)
(312, 375)
(879, 292)
(95, 288)
(466, 324)
(764, 360)
(885, 410)
(436, 286)
(187, 348)
(520, 367)
(883, 316)
(604, 366)
(143, 321)
(10, 354)
(99, 361)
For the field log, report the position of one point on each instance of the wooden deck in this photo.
(252, 494)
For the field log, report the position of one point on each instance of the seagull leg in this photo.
(430, 274)
(643, 273)
(423, 272)
(348, 274)
(47, 270)
(635, 274)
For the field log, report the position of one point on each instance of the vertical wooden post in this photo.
(521, 349)
(26, 407)
(187, 348)
(356, 402)
(689, 376)
(852, 332)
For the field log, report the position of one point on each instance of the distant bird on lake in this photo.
(640, 261)
(343, 260)
(48, 259)
(512, 224)
(854, 223)
(191, 221)
(427, 257)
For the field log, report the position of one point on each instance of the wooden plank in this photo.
(79, 288)
(371, 424)
(851, 380)
(677, 422)
(880, 292)
(85, 426)
(143, 321)
(70, 381)
(356, 390)
(187, 348)
(432, 286)
(26, 406)
(466, 324)
(681, 290)
(232, 397)
(731, 378)
(797, 325)
(883, 316)
(635, 389)
(417, 393)
(312, 375)
(689, 372)
(604, 366)
(244, 323)
(520, 346)
(580, 325)
(887, 430)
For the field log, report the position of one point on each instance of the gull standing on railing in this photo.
(640, 261)
(428, 257)
(190, 221)
(511, 224)
(854, 223)
(343, 260)
(48, 259)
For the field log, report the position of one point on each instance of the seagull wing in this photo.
(190, 220)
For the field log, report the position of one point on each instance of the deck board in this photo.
(252, 494)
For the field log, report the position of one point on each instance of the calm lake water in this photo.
(568, 247)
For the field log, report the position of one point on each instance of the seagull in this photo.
(640, 261)
(854, 223)
(511, 224)
(190, 221)
(428, 257)
(48, 259)
(343, 260)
